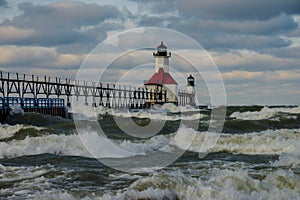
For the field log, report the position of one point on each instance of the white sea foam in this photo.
(264, 113)
(161, 113)
(87, 145)
(170, 107)
(172, 184)
(291, 160)
(16, 109)
(27, 181)
(146, 146)
(55, 144)
(221, 184)
(7, 131)
(84, 113)
(266, 142)
(275, 142)
(21, 173)
(158, 116)
(102, 147)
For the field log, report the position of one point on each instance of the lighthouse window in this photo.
(162, 50)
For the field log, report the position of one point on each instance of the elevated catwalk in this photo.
(51, 95)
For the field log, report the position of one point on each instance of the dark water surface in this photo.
(256, 157)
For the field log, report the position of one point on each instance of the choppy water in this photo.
(256, 157)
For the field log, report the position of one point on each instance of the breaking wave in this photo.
(265, 113)
(167, 112)
(8, 131)
(256, 156)
(224, 183)
(229, 184)
(271, 142)
(54, 144)
(265, 142)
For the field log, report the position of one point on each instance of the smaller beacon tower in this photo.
(191, 90)
(191, 84)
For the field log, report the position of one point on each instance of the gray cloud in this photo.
(63, 15)
(236, 9)
(61, 23)
(155, 21)
(37, 57)
(253, 61)
(284, 52)
(226, 32)
(156, 6)
(220, 39)
(76, 24)
(3, 3)
(223, 9)
(252, 42)
(274, 25)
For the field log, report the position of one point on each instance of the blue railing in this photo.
(7, 102)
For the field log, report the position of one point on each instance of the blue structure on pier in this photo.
(49, 106)
(7, 102)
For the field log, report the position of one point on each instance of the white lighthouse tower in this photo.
(162, 58)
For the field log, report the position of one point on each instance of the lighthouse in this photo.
(162, 78)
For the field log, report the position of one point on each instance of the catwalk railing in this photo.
(103, 94)
(40, 88)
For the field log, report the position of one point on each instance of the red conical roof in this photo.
(161, 78)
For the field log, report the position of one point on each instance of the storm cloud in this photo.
(58, 23)
(236, 9)
(3, 3)
(255, 43)
(228, 24)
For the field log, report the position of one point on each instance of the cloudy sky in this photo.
(255, 44)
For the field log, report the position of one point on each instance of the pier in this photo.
(52, 95)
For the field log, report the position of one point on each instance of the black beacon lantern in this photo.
(161, 50)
